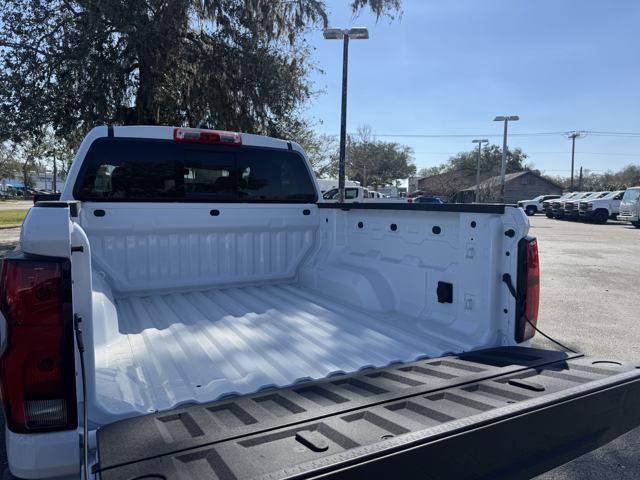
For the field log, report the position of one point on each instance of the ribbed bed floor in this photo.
(198, 346)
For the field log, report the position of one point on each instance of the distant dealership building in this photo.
(517, 186)
(460, 186)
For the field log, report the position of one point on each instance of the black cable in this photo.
(548, 337)
(506, 278)
(85, 409)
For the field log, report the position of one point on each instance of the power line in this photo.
(614, 134)
(533, 152)
(496, 135)
(462, 135)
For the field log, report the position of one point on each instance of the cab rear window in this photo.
(123, 169)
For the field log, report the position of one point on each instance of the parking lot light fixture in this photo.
(356, 33)
(479, 142)
(503, 167)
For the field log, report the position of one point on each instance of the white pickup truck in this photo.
(189, 310)
(630, 207)
(533, 206)
(600, 210)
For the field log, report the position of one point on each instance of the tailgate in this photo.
(508, 412)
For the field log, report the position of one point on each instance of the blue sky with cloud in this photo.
(450, 66)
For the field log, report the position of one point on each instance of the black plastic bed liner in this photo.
(499, 413)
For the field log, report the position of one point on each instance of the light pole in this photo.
(573, 136)
(479, 142)
(503, 167)
(355, 33)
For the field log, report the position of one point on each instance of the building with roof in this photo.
(522, 185)
(446, 185)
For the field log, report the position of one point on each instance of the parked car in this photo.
(190, 310)
(571, 206)
(533, 206)
(599, 210)
(557, 206)
(630, 207)
(547, 205)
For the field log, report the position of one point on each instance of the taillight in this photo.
(37, 368)
(198, 135)
(528, 289)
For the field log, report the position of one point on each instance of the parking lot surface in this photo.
(589, 301)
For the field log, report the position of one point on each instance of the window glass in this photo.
(350, 193)
(631, 195)
(117, 169)
(123, 170)
(269, 175)
(209, 175)
(331, 194)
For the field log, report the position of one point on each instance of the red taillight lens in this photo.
(37, 372)
(198, 135)
(528, 289)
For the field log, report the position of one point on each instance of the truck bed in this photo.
(196, 346)
(508, 412)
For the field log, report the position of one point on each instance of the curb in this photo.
(7, 227)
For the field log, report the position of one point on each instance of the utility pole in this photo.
(573, 135)
(503, 167)
(479, 142)
(54, 182)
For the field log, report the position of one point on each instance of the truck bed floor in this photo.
(198, 346)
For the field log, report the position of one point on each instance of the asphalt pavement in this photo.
(589, 301)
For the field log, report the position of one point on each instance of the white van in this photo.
(630, 207)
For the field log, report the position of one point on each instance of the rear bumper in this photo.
(43, 455)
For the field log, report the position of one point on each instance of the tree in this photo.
(430, 171)
(374, 162)
(28, 155)
(628, 176)
(8, 164)
(490, 162)
(234, 64)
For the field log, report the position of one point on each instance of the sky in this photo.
(448, 67)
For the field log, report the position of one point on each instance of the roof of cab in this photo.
(166, 133)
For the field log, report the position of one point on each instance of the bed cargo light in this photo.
(197, 135)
